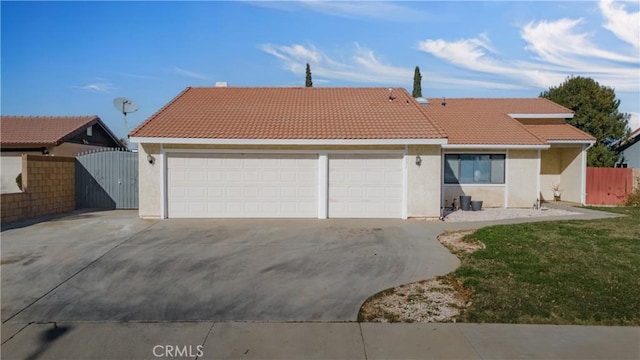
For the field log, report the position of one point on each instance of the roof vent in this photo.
(444, 101)
(391, 97)
(221, 84)
(422, 101)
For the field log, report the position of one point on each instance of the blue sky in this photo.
(74, 58)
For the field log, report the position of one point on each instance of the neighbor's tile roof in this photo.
(40, 130)
(558, 132)
(290, 113)
(485, 121)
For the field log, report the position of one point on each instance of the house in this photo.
(629, 151)
(48, 135)
(351, 153)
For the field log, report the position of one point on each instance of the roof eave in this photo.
(495, 146)
(210, 141)
(583, 141)
(9, 146)
(541, 116)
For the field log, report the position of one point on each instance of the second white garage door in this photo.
(242, 185)
(365, 186)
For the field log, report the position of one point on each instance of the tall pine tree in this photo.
(596, 112)
(308, 82)
(417, 83)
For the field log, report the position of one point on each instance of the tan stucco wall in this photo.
(571, 175)
(423, 182)
(490, 195)
(522, 178)
(561, 165)
(149, 188)
(546, 183)
(550, 169)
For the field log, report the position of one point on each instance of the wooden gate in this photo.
(107, 179)
(608, 186)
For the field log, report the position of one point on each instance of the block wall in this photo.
(48, 187)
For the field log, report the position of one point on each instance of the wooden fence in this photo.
(609, 186)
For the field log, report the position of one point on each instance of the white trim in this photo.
(583, 177)
(208, 141)
(405, 182)
(323, 185)
(542, 116)
(268, 151)
(538, 196)
(442, 199)
(571, 141)
(162, 162)
(490, 147)
(506, 180)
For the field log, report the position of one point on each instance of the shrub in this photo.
(19, 181)
(634, 198)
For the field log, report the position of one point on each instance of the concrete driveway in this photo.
(113, 266)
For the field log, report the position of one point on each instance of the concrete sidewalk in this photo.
(250, 340)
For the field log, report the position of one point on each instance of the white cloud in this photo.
(104, 87)
(364, 67)
(559, 49)
(634, 121)
(558, 42)
(383, 10)
(188, 73)
(625, 25)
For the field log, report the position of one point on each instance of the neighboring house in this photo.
(351, 153)
(48, 135)
(629, 151)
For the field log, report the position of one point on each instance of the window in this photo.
(474, 168)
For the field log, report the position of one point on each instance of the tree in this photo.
(417, 83)
(596, 112)
(308, 82)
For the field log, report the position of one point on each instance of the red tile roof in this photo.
(558, 132)
(290, 113)
(41, 130)
(487, 122)
(352, 113)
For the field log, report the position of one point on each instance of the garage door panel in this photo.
(242, 185)
(365, 185)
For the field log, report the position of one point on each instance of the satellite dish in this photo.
(125, 106)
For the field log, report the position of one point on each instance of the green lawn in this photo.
(568, 272)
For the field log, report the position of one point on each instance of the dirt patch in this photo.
(437, 300)
(454, 241)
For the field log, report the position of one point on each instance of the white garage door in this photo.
(242, 185)
(365, 186)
